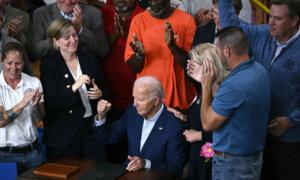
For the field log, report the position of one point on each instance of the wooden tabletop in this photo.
(89, 169)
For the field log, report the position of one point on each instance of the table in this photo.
(87, 165)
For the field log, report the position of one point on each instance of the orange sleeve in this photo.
(190, 29)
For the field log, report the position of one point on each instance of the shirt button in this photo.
(68, 86)
(70, 112)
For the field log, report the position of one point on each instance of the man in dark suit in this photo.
(154, 134)
(88, 23)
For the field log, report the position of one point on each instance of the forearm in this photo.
(40, 109)
(10, 115)
(180, 56)
(136, 63)
(206, 106)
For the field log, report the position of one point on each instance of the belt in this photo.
(219, 153)
(23, 149)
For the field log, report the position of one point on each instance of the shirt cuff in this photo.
(148, 164)
(99, 122)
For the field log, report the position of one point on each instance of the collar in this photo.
(242, 66)
(289, 41)
(67, 16)
(4, 83)
(156, 116)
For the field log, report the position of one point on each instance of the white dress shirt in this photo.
(22, 130)
(83, 92)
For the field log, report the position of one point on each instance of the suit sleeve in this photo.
(95, 37)
(109, 134)
(41, 44)
(176, 154)
(55, 98)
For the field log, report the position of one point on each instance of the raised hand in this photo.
(77, 17)
(205, 73)
(135, 163)
(28, 96)
(121, 28)
(94, 92)
(203, 16)
(137, 46)
(102, 108)
(169, 34)
(37, 96)
(83, 79)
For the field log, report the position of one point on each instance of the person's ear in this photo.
(226, 52)
(295, 21)
(55, 43)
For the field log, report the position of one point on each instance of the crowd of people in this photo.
(150, 83)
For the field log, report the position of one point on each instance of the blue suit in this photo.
(164, 147)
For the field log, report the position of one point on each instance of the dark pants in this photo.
(281, 161)
(83, 145)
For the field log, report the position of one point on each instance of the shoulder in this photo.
(30, 79)
(50, 59)
(90, 11)
(171, 121)
(14, 11)
(141, 16)
(44, 9)
(182, 16)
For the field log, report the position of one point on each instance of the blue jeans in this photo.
(231, 167)
(25, 161)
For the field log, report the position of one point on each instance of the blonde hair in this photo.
(58, 28)
(210, 52)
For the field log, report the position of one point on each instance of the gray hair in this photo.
(210, 52)
(154, 86)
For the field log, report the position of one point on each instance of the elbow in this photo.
(208, 127)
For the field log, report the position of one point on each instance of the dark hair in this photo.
(237, 4)
(235, 38)
(13, 46)
(292, 5)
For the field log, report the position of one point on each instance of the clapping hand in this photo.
(205, 73)
(83, 79)
(77, 17)
(37, 96)
(14, 27)
(94, 92)
(121, 28)
(137, 46)
(169, 34)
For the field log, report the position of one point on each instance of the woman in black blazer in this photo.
(70, 79)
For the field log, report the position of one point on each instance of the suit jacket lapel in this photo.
(65, 72)
(155, 132)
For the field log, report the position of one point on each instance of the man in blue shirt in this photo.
(154, 134)
(277, 47)
(238, 114)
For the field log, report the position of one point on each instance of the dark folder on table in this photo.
(104, 171)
